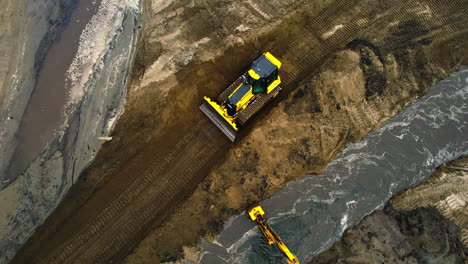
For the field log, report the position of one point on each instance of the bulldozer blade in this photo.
(219, 121)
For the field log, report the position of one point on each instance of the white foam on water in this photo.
(216, 242)
(250, 233)
(351, 203)
(344, 222)
(94, 43)
(293, 210)
(231, 220)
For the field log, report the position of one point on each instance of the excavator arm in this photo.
(256, 214)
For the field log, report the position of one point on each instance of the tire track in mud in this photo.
(362, 24)
(342, 35)
(427, 26)
(136, 223)
(116, 229)
(140, 186)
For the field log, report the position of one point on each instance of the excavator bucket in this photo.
(254, 211)
(211, 110)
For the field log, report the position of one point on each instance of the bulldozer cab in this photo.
(261, 85)
(262, 73)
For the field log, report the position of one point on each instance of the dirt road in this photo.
(162, 151)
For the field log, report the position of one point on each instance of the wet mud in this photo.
(26, 44)
(44, 114)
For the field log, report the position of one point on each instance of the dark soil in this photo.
(390, 236)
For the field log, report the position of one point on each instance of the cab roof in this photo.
(263, 67)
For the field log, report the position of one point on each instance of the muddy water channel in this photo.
(44, 114)
(78, 95)
(312, 213)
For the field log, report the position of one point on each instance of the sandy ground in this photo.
(169, 176)
(426, 224)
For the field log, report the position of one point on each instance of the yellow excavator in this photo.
(244, 97)
(256, 214)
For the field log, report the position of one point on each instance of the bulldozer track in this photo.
(444, 15)
(338, 9)
(457, 39)
(450, 27)
(161, 162)
(338, 40)
(139, 221)
(252, 109)
(289, 78)
(163, 193)
(255, 9)
(118, 225)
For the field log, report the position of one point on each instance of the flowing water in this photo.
(311, 213)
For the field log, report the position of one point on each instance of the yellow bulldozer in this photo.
(245, 97)
(256, 214)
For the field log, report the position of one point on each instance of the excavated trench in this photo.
(162, 151)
